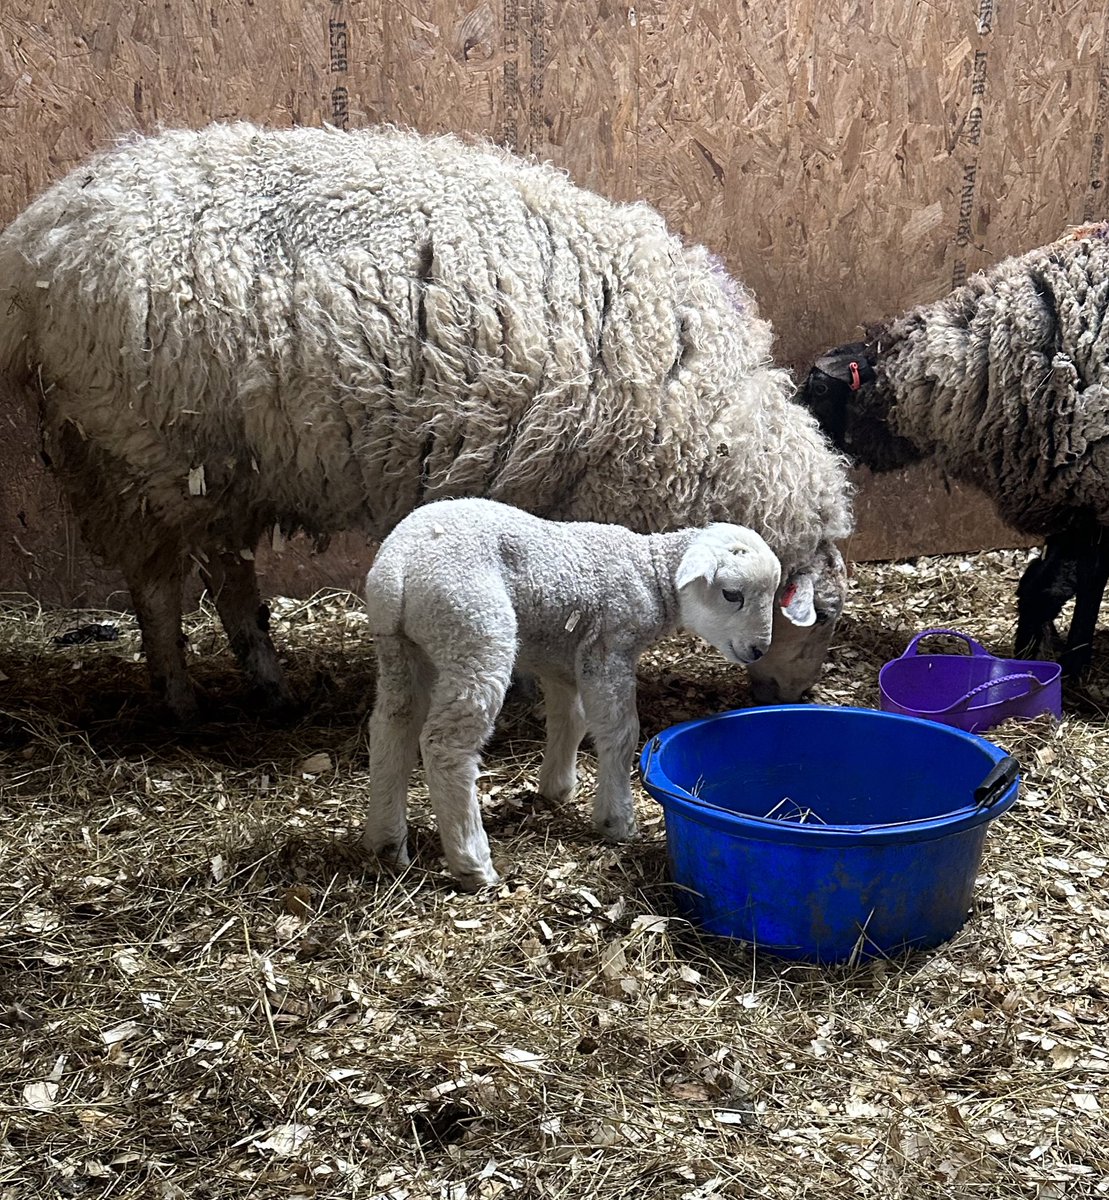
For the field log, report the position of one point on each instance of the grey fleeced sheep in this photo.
(463, 592)
(235, 329)
(1005, 383)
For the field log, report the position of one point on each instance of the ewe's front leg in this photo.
(608, 695)
(399, 710)
(232, 582)
(464, 706)
(565, 728)
(156, 593)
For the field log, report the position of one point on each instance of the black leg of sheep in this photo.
(1047, 584)
(1092, 574)
(1073, 565)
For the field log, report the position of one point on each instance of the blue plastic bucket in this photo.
(825, 833)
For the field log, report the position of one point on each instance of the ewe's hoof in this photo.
(276, 703)
(182, 709)
(1075, 666)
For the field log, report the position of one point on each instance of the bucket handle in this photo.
(1002, 775)
(1000, 779)
(1033, 684)
(976, 648)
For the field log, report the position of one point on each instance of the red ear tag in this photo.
(788, 595)
(856, 382)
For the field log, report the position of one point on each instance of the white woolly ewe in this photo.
(234, 328)
(463, 592)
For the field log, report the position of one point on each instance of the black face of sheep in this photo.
(842, 392)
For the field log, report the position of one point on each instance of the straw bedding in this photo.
(204, 992)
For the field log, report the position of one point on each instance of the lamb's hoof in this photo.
(392, 858)
(476, 881)
(556, 796)
(617, 829)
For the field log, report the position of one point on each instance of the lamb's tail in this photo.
(385, 594)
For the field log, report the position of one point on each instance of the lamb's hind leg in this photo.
(464, 705)
(156, 587)
(233, 585)
(400, 708)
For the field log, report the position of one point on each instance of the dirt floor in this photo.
(205, 991)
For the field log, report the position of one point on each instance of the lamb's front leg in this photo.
(608, 695)
(565, 728)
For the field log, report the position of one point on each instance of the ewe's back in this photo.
(375, 315)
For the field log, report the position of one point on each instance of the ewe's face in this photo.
(727, 585)
(792, 664)
(853, 411)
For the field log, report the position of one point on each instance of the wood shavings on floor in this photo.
(205, 991)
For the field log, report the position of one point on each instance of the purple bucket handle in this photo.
(1033, 682)
(976, 648)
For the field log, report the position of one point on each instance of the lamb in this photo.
(1004, 382)
(233, 330)
(463, 592)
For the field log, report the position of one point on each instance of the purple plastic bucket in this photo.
(972, 691)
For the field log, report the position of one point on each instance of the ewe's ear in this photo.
(796, 601)
(698, 562)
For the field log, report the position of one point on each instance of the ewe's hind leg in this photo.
(116, 524)
(464, 705)
(231, 580)
(156, 594)
(399, 711)
(1091, 577)
(608, 694)
(565, 728)
(1047, 584)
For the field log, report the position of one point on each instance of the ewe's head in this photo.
(841, 392)
(726, 582)
(809, 604)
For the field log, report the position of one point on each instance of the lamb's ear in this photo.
(796, 601)
(698, 562)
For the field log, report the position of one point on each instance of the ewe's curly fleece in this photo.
(1006, 381)
(338, 327)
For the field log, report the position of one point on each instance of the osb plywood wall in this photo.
(847, 159)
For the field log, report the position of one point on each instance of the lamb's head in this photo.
(809, 605)
(845, 395)
(727, 580)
